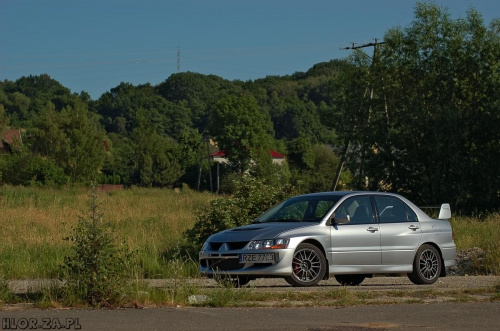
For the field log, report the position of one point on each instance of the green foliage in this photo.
(435, 122)
(6, 296)
(270, 173)
(24, 168)
(98, 268)
(73, 139)
(3, 118)
(195, 92)
(240, 129)
(251, 199)
(155, 159)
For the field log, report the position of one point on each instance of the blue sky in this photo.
(93, 45)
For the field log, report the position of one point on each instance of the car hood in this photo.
(257, 231)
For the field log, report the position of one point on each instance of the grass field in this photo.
(34, 221)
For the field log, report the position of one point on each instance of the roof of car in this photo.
(342, 193)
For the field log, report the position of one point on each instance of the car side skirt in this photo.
(369, 269)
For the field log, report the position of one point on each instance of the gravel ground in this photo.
(278, 284)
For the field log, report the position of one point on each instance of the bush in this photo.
(27, 169)
(252, 197)
(98, 267)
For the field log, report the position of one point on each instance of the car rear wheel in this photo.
(426, 265)
(308, 266)
(350, 280)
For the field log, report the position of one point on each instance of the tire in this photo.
(426, 265)
(308, 266)
(350, 280)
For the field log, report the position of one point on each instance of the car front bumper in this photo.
(213, 263)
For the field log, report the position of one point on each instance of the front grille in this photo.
(215, 246)
(231, 246)
(224, 264)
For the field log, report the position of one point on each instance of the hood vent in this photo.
(246, 229)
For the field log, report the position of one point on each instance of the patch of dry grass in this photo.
(483, 232)
(34, 222)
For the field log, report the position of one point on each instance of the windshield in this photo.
(300, 209)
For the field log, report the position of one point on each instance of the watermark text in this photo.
(41, 324)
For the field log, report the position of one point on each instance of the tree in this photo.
(72, 138)
(240, 129)
(196, 92)
(3, 119)
(99, 266)
(436, 110)
(155, 159)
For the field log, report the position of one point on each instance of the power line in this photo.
(374, 44)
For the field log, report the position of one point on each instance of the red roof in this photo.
(274, 154)
(11, 137)
(218, 153)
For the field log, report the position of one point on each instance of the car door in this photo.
(400, 232)
(356, 243)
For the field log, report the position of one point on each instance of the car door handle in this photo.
(413, 227)
(372, 229)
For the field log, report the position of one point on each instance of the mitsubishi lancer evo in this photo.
(347, 235)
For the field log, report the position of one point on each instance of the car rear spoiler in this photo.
(445, 212)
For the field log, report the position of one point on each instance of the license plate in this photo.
(258, 258)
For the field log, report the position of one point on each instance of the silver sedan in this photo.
(350, 235)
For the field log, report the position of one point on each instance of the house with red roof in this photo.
(9, 140)
(220, 157)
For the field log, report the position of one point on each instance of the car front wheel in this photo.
(308, 266)
(426, 265)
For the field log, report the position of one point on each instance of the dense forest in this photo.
(419, 114)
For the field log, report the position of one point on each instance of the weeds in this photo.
(5, 295)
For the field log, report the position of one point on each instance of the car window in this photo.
(300, 209)
(295, 211)
(412, 217)
(359, 210)
(390, 210)
(322, 208)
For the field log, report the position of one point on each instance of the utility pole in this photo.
(370, 86)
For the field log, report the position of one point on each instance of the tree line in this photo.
(419, 116)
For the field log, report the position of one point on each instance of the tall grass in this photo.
(34, 222)
(483, 232)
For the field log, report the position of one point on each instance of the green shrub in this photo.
(98, 267)
(24, 168)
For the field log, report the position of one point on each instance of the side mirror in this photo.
(339, 219)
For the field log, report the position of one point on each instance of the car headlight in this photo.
(268, 244)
